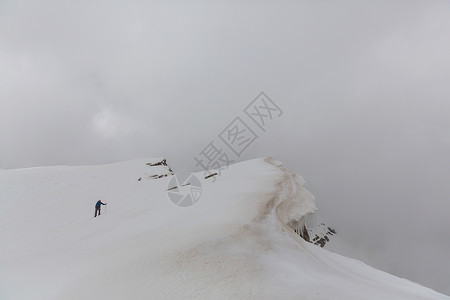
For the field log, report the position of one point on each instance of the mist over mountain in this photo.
(362, 87)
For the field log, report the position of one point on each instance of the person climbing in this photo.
(97, 207)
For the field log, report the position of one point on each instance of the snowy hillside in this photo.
(232, 244)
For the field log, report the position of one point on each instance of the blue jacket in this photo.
(99, 203)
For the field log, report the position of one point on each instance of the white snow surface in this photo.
(232, 244)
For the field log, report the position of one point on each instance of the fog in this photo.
(363, 87)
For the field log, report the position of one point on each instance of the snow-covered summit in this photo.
(236, 242)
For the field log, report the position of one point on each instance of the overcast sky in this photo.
(363, 85)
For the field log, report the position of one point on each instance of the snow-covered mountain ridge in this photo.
(236, 242)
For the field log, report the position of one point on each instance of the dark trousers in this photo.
(97, 209)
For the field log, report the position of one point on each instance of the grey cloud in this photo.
(364, 87)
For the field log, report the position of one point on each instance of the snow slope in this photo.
(232, 244)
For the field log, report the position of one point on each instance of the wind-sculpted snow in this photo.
(234, 243)
(296, 205)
